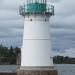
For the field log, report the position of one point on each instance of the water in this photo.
(63, 69)
(8, 68)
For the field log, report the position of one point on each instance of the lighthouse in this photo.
(36, 54)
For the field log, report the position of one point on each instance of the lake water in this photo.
(63, 69)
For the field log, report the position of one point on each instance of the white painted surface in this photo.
(36, 48)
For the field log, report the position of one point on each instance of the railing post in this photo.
(52, 9)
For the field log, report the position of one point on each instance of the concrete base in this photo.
(37, 71)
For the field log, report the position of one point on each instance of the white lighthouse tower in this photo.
(36, 56)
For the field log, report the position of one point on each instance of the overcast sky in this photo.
(62, 24)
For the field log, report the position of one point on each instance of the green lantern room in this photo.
(36, 6)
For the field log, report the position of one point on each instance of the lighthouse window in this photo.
(30, 19)
(45, 20)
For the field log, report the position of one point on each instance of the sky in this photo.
(62, 25)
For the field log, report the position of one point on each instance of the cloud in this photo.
(63, 26)
(11, 23)
(68, 52)
(53, 1)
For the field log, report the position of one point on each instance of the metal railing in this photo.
(24, 10)
(37, 1)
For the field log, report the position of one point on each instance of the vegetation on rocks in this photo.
(63, 60)
(8, 55)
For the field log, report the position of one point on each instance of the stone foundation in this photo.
(37, 71)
